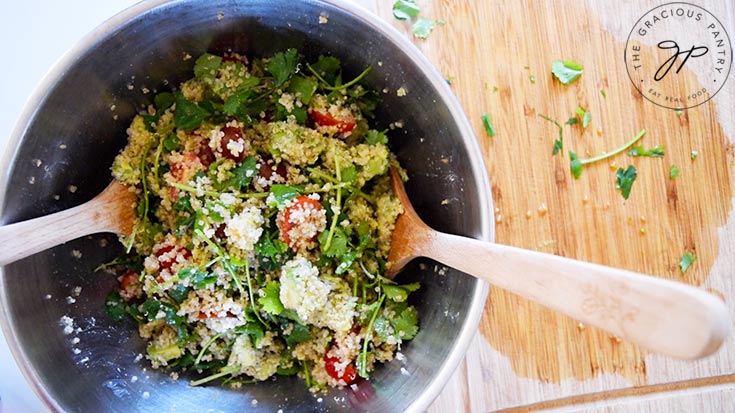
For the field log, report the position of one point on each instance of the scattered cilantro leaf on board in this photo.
(585, 116)
(686, 261)
(405, 9)
(625, 179)
(694, 155)
(423, 27)
(575, 165)
(559, 143)
(571, 121)
(673, 171)
(489, 130)
(655, 152)
(566, 71)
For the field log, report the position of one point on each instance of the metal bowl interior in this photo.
(69, 127)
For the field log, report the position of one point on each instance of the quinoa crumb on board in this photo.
(263, 230)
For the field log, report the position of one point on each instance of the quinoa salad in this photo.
(265, 215)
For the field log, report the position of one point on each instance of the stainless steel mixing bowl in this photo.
(75, 124)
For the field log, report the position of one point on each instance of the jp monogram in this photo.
(669, 42)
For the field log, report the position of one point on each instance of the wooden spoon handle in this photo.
(664, 316)
(25, 238)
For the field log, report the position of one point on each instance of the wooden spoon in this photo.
(113, 210)
(664, 316)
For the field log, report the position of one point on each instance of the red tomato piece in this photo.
(327, 119)
(130, 285)
(306, 221)
(267, 168)
(348, 375)
(233, 135)
(167, 256)
(206, 156)
(179, 170)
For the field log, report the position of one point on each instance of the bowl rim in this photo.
(400, 40)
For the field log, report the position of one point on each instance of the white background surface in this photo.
(34, 34)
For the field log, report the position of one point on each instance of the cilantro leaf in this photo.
(399, 293)
(303, 87)
(489, 130)
(270, 302)
(349, 174)
(244, 173)
(183, 204)
(188, 115)
(566, 71)
(254, 330)
(575, 165)
(405, 9)
(673, 171)
(115, 306)
(585, 116)
(559, 143)
(206, 66)
(374, 137)
(163, 101)
(171, 143)
(179, 293)
(199, 278)
(337, 247)
(271, 252)
(571, 121)
(686, 261)
(327, 67)
(282, 193)
(656, 152)
(422, 27)
(237, 105)
(152, 307)
(283, 65)
(694, 155)
(383, 328)
(299, 334)
(406, 324)
(625, 179)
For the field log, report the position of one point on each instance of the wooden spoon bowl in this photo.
(664, 316)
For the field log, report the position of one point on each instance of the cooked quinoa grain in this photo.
(265, 216)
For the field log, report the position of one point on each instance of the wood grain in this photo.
(527, 354)
(113, 210)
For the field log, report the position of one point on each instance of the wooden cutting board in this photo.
(497, 56)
